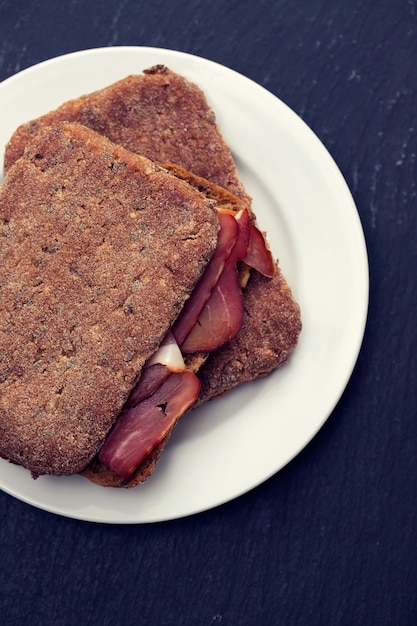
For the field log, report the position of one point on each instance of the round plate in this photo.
(234, 443)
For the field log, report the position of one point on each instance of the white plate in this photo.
(234, 443)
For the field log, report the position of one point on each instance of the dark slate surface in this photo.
(332, 538)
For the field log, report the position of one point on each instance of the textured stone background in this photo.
(331, 539)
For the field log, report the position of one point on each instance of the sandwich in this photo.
(69, 383)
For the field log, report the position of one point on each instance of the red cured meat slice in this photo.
(140, 428)
(228, 234)
(221, 318)
(259, 256)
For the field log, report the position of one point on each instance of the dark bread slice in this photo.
(158, 114)
(99, 250)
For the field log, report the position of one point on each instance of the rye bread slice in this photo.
(99, 250)
(158, 114)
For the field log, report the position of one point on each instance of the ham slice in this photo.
(152, 378)
(221, 318)
(142, 427)
(226, 239)
(258, 255)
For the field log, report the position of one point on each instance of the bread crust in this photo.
(99, 250)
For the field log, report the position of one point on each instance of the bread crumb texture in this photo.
(99, 248)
